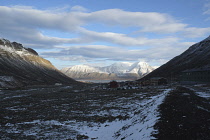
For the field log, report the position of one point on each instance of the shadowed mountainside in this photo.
(23, 66)
(197, 56)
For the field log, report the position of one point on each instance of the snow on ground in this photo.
(132, 116)
(201, 90)
(140, 126)
(203, 94)
(49, 130)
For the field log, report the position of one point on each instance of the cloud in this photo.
(26, 25)
(148, 21)
(207, 8)
(79, 8)
(91, 52)
(23, 20)
(124, 40)
(33, 18)
(34, 38)
(196, 32)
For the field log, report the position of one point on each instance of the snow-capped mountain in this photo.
(141, 68)
(120, 70)
(120, 67)
(23, 66)
(83, 68)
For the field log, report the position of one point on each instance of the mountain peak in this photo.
(141, 68)
(12, 47)
(141, 63)
(24, 66)
(207, 39)
(119, 69)
(83, 68)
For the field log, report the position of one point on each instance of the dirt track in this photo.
(184, 116)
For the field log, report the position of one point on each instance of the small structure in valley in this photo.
(113, 84)
(196, 76)
(58, 84)
(156, 81)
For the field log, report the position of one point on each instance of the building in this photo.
(145, 83)
(155, 81)
(195, 76)
(113, 84)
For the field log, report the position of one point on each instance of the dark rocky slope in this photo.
(21, 66)
(197, 56)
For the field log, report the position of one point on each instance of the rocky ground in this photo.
(68, 112)
(185, 114)
(79, 112)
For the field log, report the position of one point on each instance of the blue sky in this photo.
(96, 32)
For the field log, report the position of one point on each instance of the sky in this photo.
(96, 32)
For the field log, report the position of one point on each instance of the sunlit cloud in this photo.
(28, 18)
(26, 24)
(114, 53)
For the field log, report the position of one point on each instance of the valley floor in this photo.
(69, 112)
(185, 114)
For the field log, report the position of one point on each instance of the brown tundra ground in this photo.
(79, 112)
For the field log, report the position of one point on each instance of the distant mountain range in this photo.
(20, 66)
(116, 71)
(197, 56)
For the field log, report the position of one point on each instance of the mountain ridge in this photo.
(116, 71)
(196, 56)
(23, 66)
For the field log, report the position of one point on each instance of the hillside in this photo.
(197, 56)
(23, 66)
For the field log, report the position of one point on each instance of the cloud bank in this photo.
(28, 25)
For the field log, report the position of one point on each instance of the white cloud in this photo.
(25, 25)
(33, 18)
(125, 40)
(79, 8)
(34, 38)
(165, 28)
(90, 52)
(28, 18)
(207, 8)
(194, 32)
(148, 21)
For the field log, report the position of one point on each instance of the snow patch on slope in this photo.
(9, 82)
(139, 126)
(120, 67)
(83, 68)
(141, 68)
(13, 48)
(203, 94)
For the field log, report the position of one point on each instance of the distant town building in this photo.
(155, 81)
(58, 84)
(145, 83)
(196, 76)
(113, 84)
